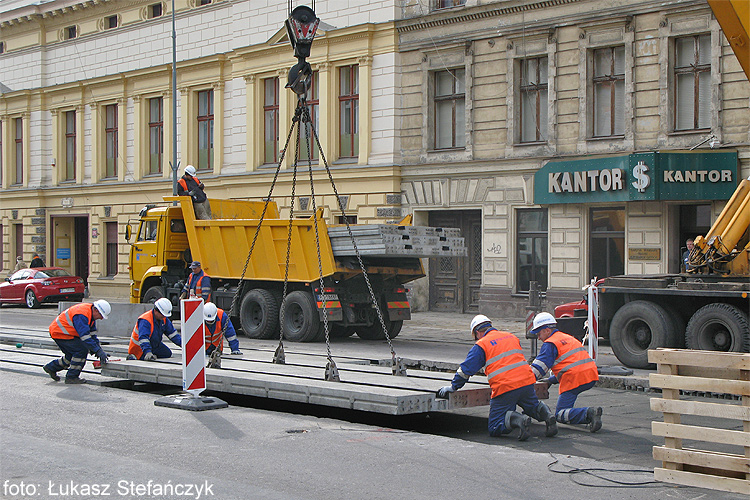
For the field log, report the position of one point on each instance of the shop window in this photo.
(110, 135)
(205, 129)
(692, 80)
(607, 246)
(609, 91)
(349, 111)
(69, 174)
(532, 260)
(155, 135)
(271, 119)
(306, 134)
(450, 109)
(533, 95)
(111, 257)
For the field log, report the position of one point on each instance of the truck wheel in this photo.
(718, 327)
(259, 314)
(637, 327)
(301, 320)
(375, 332)
(153, 294)
(340, 332)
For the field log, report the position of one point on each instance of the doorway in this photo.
(455, 281)
(695, 220)
(70, 242)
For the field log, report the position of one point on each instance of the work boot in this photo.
(594, 418)
(75, 380)
(52, 373)
(514, 420)
(131, 357)
(549, 419)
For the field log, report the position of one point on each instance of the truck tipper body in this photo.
(170, 237)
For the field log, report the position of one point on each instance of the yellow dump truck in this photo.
(169, 237)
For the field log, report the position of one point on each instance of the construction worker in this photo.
(190, 185)
(73, 332)
(198, 282)
(214, 330)
(510, 378)
(572, 368)
(146, 340)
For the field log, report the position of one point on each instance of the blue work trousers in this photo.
(564, 411)
(525, 397)
(73, 359)
(160, 350)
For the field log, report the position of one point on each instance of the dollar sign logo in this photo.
(642, 180)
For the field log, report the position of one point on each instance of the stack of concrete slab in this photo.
(388, 240)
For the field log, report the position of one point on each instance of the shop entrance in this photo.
(455, 281)
(70, 245)
(695, 220)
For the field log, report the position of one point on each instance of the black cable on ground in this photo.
(592, 471)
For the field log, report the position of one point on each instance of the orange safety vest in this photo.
(62, 328)
(134, 347)
(182, 182)
(573, 366)
(505, 366)
(198, 286)
(215, 338)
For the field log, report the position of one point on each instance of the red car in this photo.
(41, 284)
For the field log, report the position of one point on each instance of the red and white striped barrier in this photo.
(193, 346)
(593, 320)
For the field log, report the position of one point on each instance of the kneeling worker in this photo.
(73, 332)
(146, 341)
(571, 366)
(214, 330)
(510, 379)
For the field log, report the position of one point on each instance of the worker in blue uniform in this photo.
(149, 330)
(198, 282)
(510, 379)
(215, 328)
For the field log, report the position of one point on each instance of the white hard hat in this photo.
(190, 170)
(103, 307)
(543, 320)
(210, 311)
(164, 306)
(479, 320)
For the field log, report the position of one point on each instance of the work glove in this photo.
(444, 391)
(102, 356)
(149, 356)
(550, 381)
(237, 352)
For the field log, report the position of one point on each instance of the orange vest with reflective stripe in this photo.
(182, 182)
(198, 286)
(505, 366)
(62, 328)
(134, 347)
(573, 366)
(215, 338)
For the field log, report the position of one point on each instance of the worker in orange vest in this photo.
(149, 330)
(510, 378)
(215, 329)
(73, 332)
(198, 282)
(572, 368)
(190, 185)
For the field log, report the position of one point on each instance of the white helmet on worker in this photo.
(209, 312)
(164, 306)
(190, 170)
(479, 320)
(541, 321)
(103, 307)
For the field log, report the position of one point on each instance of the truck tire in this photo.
(259, 314)
(153, 294)
(375, 331)
(340, 332)
(718, 327)
(301, 321)
(637, 327)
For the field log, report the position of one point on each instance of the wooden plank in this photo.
(697, 433)
(737, 387)
(701, 458)
(708, 359)
(701, 408)
(703, 480)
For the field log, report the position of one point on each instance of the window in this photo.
(69, 174)
(450, 109)
(533, 90)
(306, 134)
(204, 2)
(155, 10)
(2, 47)
(18, 228)
(446, 4)
(349, 111)
(205, 129)
(607, 242)
(352, 219)
(110, 22)
(70, 32)
(156, 134)
(110, 133)
(609, 91)
(532, 259)
(1, 239)
(692, 81)
(1, 166)
(111, 257)
(148, 230)
(19, 151)
(271, 119)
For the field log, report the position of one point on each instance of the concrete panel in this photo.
(120, 321)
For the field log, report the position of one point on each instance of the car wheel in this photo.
(31, 301)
